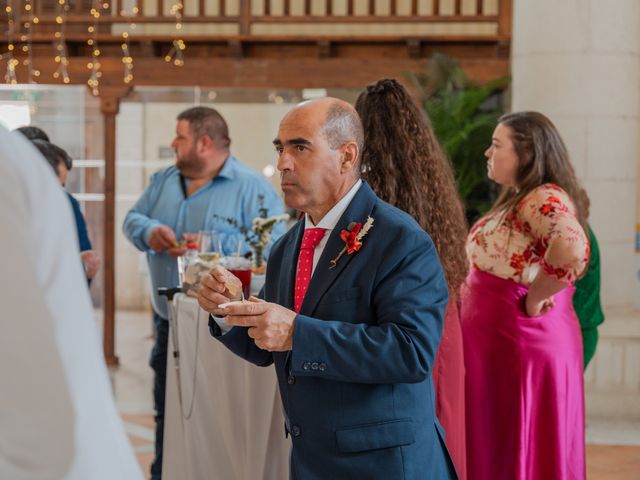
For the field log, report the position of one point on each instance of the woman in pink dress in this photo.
(405, 165)
(522, 341)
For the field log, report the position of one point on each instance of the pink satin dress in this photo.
(524, 384)
(448, 382)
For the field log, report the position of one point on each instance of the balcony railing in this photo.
(245, 15)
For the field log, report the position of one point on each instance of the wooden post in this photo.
(504, 18)
(110, 97)
(245, 17)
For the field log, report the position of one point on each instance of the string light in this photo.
(10, 74)
(61, 55)
(94, 64)
(127, 59)
(176, 53)
(26, 37)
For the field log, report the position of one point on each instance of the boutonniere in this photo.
(352, 237)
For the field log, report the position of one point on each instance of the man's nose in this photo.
(284, 161)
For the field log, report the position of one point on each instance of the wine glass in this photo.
(208, 245)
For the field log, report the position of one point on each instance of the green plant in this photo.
(463, 116)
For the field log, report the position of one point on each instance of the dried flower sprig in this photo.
(353, 238)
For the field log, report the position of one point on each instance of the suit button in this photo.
(295, 430)
(314, 366)
(306, 366)
(291, 379)
(322, 367)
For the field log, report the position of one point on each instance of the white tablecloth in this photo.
(229, 424)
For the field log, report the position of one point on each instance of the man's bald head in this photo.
(318, 146)
(340, 122)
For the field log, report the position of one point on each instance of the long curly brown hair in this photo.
(406, 166)
(542, 158)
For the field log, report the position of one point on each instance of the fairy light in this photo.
(94, 65)
(176, 53)
(10, 74)
(61, 56)
(30, 20)
(127, 59)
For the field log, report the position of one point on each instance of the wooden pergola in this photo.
(246, 58)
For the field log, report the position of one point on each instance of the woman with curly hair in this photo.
(522, 344)
(405, 165)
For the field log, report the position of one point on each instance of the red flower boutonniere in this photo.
(352, 238)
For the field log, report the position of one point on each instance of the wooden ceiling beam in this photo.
(263, 72)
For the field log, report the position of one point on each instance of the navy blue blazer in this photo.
(356, 388)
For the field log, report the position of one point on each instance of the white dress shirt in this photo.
(329, 222)
(57, 414)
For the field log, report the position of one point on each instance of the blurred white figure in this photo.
(57, 415)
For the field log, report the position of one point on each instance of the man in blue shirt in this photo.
(206, 186)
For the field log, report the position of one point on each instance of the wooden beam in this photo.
(280, 72)
(109, 105)
(245, 17)
(505, 14)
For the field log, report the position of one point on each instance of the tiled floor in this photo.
(613, 450)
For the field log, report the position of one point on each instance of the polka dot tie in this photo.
(310, 240)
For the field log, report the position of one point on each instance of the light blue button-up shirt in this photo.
(233, 193)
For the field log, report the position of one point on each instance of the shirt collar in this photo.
(330, 220)
(229, 168)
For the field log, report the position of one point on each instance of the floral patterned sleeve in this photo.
(549, 215)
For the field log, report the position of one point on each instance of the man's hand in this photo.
(217, 287)
(179, 249)
(162, 238)
(91, 262)
(270, 325)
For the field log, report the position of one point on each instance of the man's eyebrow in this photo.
(293, 141)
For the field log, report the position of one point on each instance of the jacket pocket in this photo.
(360, 438)
(352, 293)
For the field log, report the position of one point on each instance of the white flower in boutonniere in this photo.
(352, 237)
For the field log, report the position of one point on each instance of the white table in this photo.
(228, 423)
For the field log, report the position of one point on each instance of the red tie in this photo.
(310, 240)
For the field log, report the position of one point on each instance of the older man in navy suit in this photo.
(352, 313)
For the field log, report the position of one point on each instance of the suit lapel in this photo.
(323, 276)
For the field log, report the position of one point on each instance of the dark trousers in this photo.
(158, 363)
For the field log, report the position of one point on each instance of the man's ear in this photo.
(205, 143)
(349, 157)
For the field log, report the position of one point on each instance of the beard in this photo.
(188, 163)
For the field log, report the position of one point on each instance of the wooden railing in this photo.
(245, 13)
